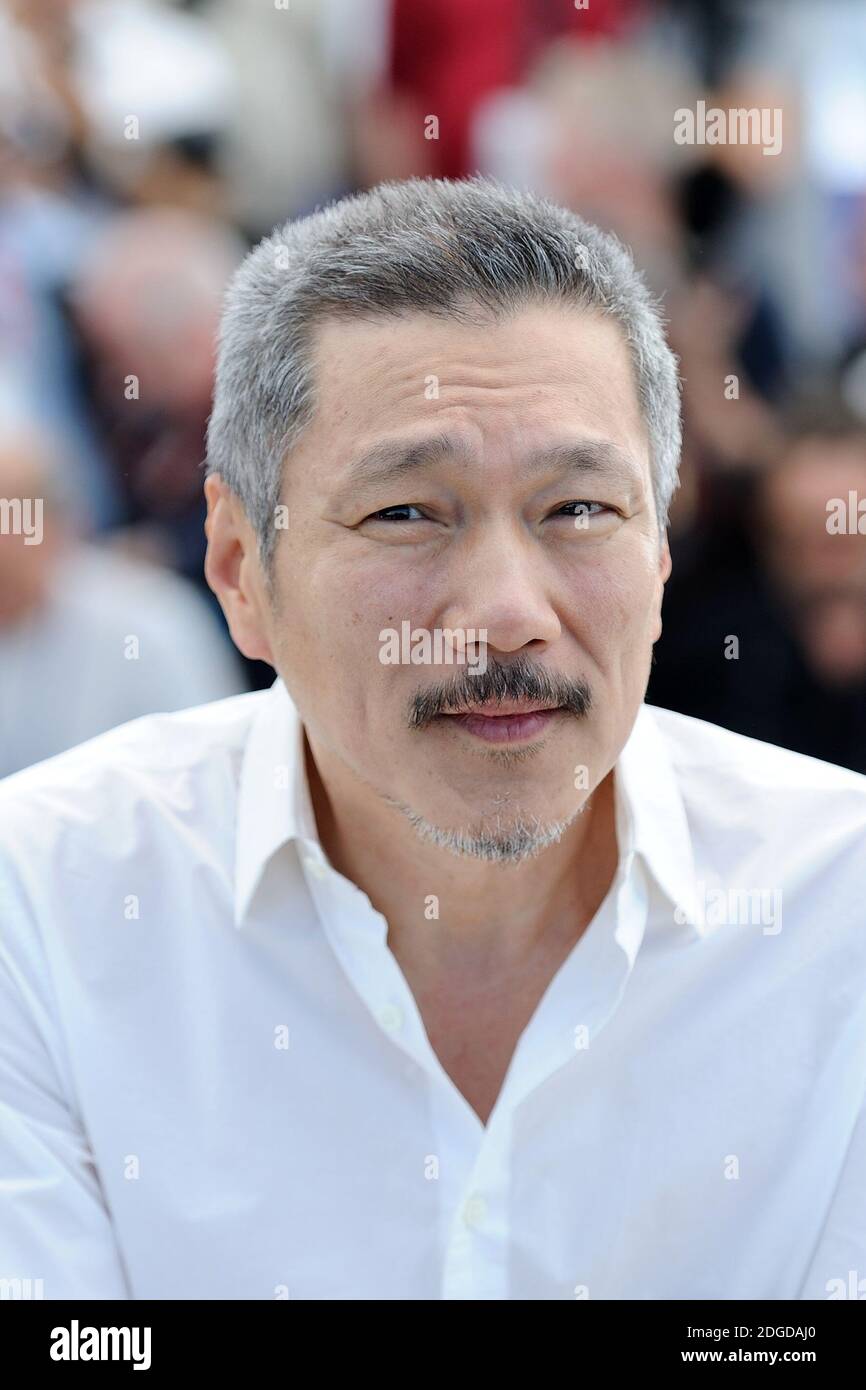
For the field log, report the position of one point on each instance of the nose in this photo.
(504, 586)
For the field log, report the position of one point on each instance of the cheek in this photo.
(613, 604)
(338, 607)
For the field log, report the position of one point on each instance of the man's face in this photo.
(818, 571)
(474, 479)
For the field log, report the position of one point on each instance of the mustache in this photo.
(516, 680)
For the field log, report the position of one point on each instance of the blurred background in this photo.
(146, 145)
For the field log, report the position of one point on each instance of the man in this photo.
(103, 627)
(787, 577)
(473, 979)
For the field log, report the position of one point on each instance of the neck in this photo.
(482, 910)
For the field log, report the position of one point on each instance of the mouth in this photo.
(505, 722)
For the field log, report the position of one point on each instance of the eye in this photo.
(581, 509)
(399, 513)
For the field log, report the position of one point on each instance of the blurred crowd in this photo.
(145, 145)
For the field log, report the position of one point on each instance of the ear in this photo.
(664, 573)
(665, 562)
(234, 571)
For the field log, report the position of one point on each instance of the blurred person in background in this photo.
(101, 105)
(146, 306)
(49, 211)
(89, 638)
(122, 98)
(285, 144)
(444, 58)
(592, 127)
(765, 612)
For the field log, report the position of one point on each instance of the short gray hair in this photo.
(433, 245)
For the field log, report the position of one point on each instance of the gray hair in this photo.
(433, 245)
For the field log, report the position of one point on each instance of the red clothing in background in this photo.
(449, 54)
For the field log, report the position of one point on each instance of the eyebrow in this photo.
(599, 458)
(394, 458)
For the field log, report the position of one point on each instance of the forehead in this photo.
(511, 377)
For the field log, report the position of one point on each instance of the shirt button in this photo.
(474, 1209)
(391, 1018)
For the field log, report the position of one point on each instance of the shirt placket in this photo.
(474, 1160)
(358, 936)
(582, 998)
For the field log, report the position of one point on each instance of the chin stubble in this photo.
(497, 840)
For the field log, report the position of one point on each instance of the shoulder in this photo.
(798, 817)
(733, 765)
(769, 828)
(85, 804)
(764, 819)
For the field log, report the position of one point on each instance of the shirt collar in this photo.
(274, 805)
(651, 818)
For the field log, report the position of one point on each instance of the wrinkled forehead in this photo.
(520, 378)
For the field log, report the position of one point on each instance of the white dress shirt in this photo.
(216, 1083)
